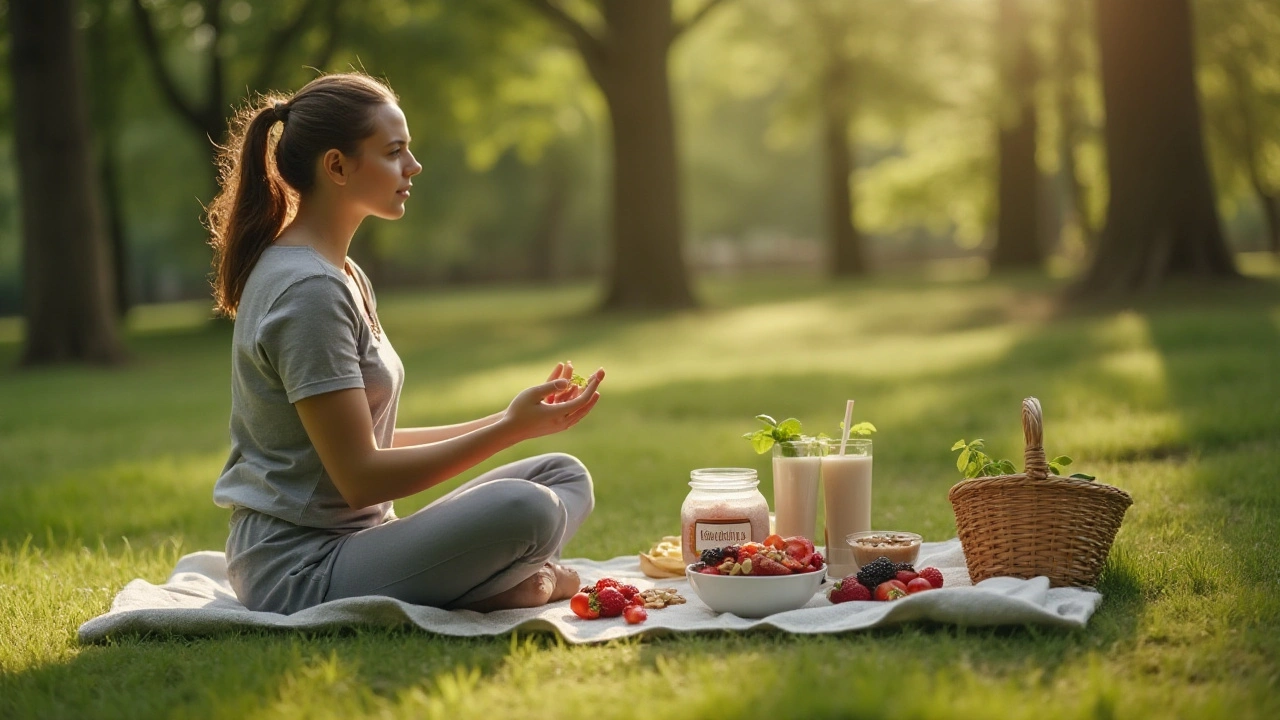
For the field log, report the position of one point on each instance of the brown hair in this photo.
(262, 172)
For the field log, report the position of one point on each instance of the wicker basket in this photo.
(1034, 523)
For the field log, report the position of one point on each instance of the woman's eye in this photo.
(395, 152)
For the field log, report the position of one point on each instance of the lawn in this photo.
(107, 474)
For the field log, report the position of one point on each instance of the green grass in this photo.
(105, 475)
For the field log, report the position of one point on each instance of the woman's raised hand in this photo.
(553, 406)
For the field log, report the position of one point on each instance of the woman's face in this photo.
(379, 182)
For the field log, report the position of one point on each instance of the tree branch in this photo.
(278, 41)
(591, 47)
(155, 60)
(694, 19)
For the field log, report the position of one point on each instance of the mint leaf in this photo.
(963, 460)
(1084, 476)
(767, 420)
(578, 380)
(862, 428)
(959, 444)
(788, 429)
(761, 441)
(1061, 461)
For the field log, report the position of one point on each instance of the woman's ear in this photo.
(336, 166)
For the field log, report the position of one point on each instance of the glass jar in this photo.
(723, 508)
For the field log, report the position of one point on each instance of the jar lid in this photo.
(723, 479)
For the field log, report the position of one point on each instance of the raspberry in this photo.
(848, 589)
(611, 602)
(730, 551)
(933, 575)
(628, 591)
(603, 583)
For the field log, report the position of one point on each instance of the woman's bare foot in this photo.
(567, 582)
(550, 583)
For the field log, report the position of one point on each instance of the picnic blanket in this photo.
(198, 600)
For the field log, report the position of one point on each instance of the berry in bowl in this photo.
(757, 579)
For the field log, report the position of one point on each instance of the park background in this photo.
(937, 207)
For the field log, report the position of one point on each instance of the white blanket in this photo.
(197, 600)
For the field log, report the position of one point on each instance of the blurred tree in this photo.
(627, 58)
(68, 295)
(1018, 237)
(1162, 219)
(1070, 66)
(255, 50)
(109, 62)
(1240, 51)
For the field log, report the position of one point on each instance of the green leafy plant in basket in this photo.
(974, 463)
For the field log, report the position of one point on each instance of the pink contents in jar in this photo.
(723, 508)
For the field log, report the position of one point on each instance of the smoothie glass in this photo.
(846, 485)
(796, 470)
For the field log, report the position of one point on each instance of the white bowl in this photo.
(752, 596)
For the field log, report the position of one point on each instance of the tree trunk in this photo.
(1161, 218)
(107, 65)
(68, 300)
(648, 267)
(1271, 209)
(1017, 223)
(846, 247)
(1069, 66)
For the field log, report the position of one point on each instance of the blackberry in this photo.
(713, 556)
(904, 566)
(882, 569)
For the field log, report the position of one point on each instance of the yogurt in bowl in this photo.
(899, 547)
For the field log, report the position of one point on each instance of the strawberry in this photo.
(584, 606)
(933, 575)
(793, 564)
(603, 583)
(799, 547)
(906, 576)
(628, 591)
(775, 541)
(888, 590)
(748, 550)
(612, 603)
(710, 570)
(764, 565)
(816, 561)
(636, 599)
(848, 589)
(635, 614)
(918, 585)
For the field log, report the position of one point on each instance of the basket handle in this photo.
(1037, 467)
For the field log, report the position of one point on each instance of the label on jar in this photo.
(720, 533)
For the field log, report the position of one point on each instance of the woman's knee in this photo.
(569, 470)
(528, 508)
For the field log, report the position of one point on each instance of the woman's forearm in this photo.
(394, 473)
(408, 437)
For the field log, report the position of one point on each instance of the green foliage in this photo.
(784, 432)
(972, 462)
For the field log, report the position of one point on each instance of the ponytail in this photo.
(262, 172)
(252, 208)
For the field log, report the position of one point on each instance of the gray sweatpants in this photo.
(479, 540)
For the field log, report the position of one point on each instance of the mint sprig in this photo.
(974, 463)
(578, 380)
(762, 440)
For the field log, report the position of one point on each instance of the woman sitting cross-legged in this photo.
(316, 458)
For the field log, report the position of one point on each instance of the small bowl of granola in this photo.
(899, 547)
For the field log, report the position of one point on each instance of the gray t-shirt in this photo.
(300, 331)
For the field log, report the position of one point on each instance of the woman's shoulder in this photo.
(289, 269)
